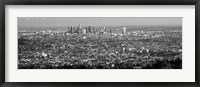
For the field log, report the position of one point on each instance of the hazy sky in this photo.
(96, 21)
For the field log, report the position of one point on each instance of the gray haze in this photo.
(97, 21)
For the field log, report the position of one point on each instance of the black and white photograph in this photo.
(99, 42)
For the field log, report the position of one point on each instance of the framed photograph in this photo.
(148, 43)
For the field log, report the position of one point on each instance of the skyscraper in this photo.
(84, 31)
(124, 30)
(90, 29)
(94, 31)
(79, 26)
(71, 30)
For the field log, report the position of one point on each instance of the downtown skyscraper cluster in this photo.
(92, 30)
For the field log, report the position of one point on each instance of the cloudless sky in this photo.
(96, 21)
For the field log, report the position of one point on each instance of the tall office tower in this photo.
(97, 30)
(79, 26)
(71, 30)
(124, 30)
(84, 31)
(110, 31)
(75, 30)
(67, 30)
(94, 31)
(90, 29)
(80, 31)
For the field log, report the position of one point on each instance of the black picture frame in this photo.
(99, 2)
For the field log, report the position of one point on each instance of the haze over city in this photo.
(99, 43)
(97, 21)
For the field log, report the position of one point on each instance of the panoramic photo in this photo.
(99, 42)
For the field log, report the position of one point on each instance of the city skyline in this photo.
(97, 21)
(82, 45)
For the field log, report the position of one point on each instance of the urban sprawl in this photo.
(100, 48)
